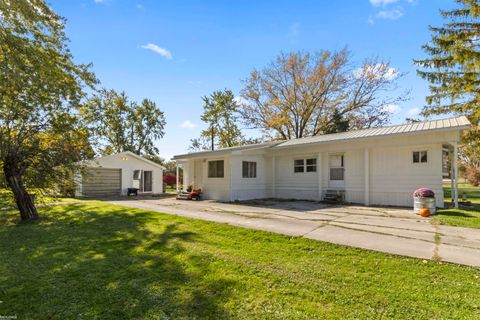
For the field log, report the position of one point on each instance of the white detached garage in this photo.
(113, 175)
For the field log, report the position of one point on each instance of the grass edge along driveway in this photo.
(89, 259)
(468, 217)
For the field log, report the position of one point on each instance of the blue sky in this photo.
(175, 52)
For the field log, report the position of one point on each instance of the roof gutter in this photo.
(222, 152)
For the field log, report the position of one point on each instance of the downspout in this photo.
(319, 176)
(455, 170)
(274, 182)
(231, 176)
(367, 177)
(178, 178)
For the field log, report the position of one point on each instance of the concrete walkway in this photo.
(389, 230)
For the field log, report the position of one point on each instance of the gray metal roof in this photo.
(94, 162)
(441, 124)
(219, 152)
(458, 123)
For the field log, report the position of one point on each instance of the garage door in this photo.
(101, 182)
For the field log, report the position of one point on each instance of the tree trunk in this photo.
(213, 138)
(23, 200)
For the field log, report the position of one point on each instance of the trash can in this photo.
(132, 192)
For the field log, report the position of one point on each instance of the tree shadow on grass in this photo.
(470, 212)
(119, 264)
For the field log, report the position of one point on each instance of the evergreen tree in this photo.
(337, 124)
(453, 67)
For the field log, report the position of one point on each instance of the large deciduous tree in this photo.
(302, 94)
(40, 89)
(123, 125)
(453, 70)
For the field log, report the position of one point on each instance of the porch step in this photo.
(183, 196)
(334, 196)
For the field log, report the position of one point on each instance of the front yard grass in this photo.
(92, 260)
(465, 216)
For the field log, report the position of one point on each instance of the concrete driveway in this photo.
(390, 230)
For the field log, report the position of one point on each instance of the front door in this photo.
(336, 171)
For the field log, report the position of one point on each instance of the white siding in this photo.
(354, 176)
(248, 188)
(128, 166)
(394, 176)
(295, 185)
(269, 180)
(212, 188)
(198, 173)
(306, 185)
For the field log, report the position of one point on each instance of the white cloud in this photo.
(294, 30)
(388, 12)
(392, 108)
(187, 124)
(139, 6)
(239, 100)
(101, 1)
(393, 14)
(376, 71)
(161, 51)
(391, 73)
(377, 3)
(413, 112)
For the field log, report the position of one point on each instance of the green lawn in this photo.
(170, 189)
(90, 260)
(465, 216)
(471, 193)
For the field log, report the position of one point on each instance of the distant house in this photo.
(112, 176)
(378, 166)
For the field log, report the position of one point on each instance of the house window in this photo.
(143, 180)
(299, 165)
(249, 169)
(311, 165)
(420, 157)
(137, 174)
(305, 165)
(215, 169)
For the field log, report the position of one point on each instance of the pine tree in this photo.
(338, 123)
(453, 67)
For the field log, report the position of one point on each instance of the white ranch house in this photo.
(112, 175)
(379, 166)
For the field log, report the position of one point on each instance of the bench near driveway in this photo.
(391, 230)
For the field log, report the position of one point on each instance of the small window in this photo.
(215, 169)
(420, 157)
(137, 174)
(311, 165)
(249, 169)
(299, 165)
(305, 165)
